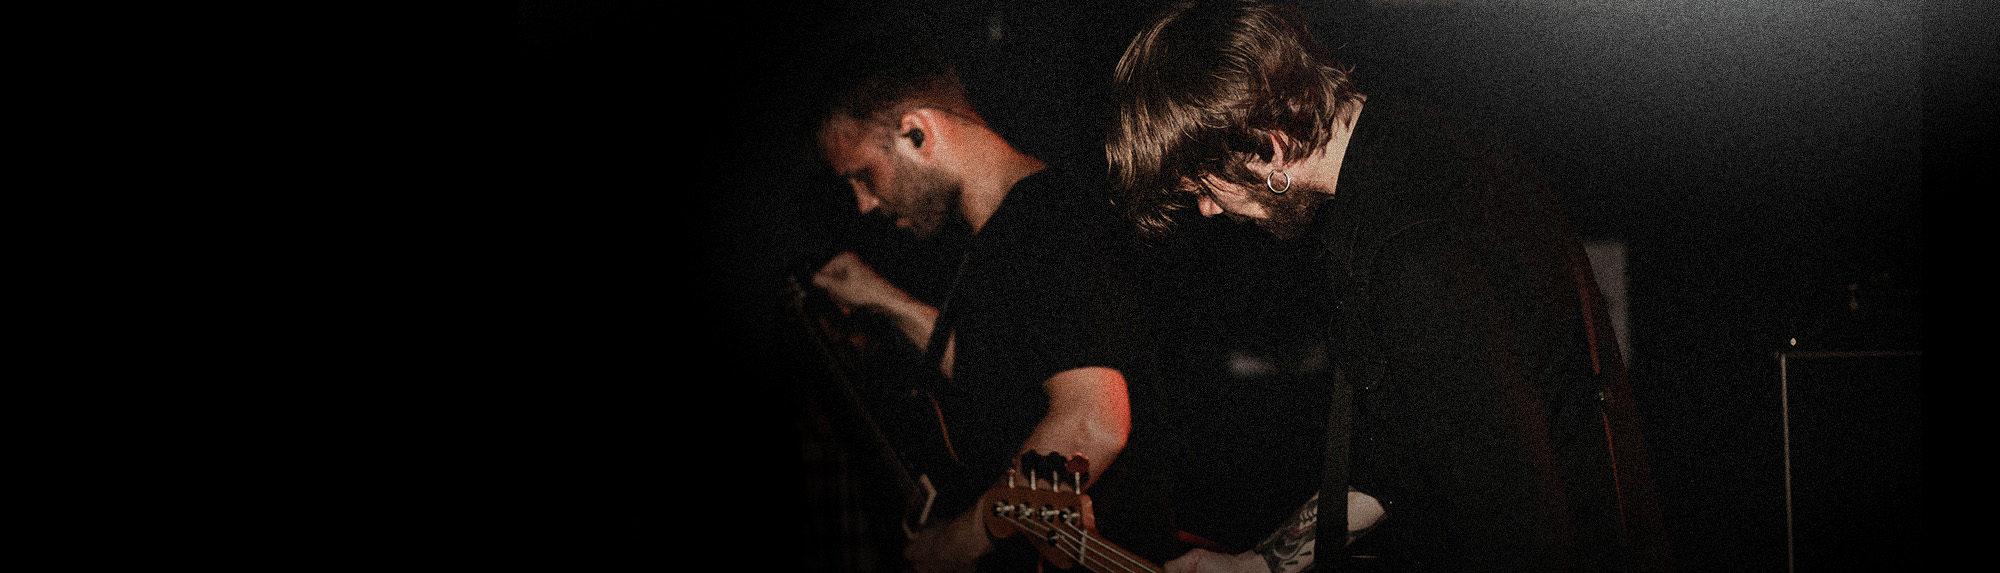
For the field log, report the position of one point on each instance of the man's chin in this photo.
(1247, 226)
(1282, 232)
(922, 231)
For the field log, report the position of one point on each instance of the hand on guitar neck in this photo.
(852, 284)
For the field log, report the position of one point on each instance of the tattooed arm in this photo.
(1290, 548)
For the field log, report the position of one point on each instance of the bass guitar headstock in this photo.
(1043, 502)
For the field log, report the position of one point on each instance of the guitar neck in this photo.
(1079, 546)
(840, 395)
(1060, 524)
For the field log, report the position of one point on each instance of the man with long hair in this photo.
(1477, 403)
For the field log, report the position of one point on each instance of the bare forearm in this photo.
(913, 318)
(1089, 413)
(853, 284)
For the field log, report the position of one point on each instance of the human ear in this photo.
(919, 129)
(1278, 140)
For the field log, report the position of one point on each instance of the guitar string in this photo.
(1102, 561)
(1078, 540)
(1077, 537)
(1109, 557)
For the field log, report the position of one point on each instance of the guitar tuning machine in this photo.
(1051, 514)
(1054, 468)
(1055, 464)
(1004, 508)
(1078, 467)
(1030, 463)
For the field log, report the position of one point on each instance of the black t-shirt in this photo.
(1045, 288)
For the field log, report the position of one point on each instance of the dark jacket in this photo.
(1484, 373)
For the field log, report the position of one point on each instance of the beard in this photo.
(1291, 213)
(925, 198)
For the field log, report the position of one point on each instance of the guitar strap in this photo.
(1330, 546)
(934, 353)
(1330, 551)
(941, 331)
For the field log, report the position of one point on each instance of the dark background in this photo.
(1765, 165)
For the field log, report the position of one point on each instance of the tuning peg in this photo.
(1078, 467)
(1029, 463)
(1077, 464)
(1055, 463)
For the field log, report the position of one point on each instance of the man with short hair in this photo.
(1036, 343)
(1476, 395)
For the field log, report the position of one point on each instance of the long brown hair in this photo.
(1199, 92)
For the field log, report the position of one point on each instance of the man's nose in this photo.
(1208, 207)
(865, 202)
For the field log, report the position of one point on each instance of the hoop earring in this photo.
(1274, 188)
